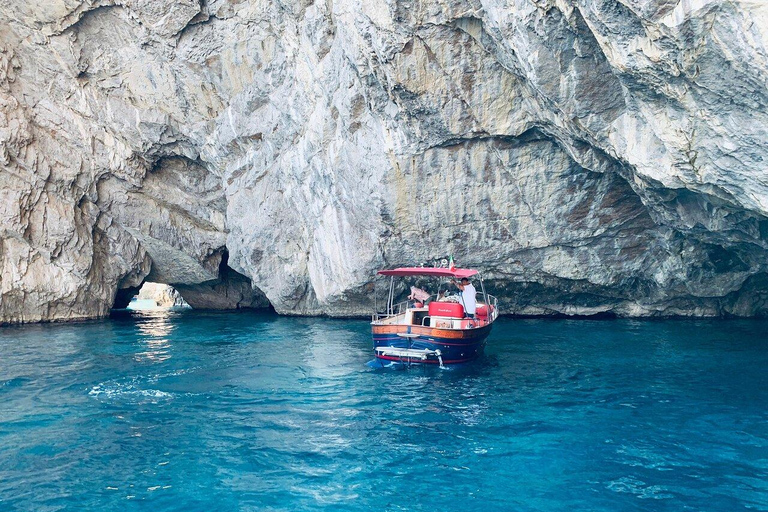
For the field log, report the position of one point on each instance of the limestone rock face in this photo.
(590, 156)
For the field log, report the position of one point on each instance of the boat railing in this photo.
(494, 303)
(401, 308)
(397, 309)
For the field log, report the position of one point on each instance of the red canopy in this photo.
(429, 271)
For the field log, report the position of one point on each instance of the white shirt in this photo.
(468, 299)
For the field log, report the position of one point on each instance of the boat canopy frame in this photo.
(459, 273)
(436, 272)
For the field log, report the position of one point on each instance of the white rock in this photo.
(590, 156)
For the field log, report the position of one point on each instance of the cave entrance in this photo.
(157, 296)
(229, 291)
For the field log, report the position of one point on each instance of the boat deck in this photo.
(421, 317)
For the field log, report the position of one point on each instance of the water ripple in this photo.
(207, 411)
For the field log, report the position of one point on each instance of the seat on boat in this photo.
(482, 310)
(446, 309)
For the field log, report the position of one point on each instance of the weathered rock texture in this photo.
(591, 156)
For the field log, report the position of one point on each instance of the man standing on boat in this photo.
(468, 296)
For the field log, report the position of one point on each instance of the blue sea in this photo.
(188, 410)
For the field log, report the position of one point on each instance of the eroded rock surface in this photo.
(591, 156)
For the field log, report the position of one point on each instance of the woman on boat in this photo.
(468, 296)
(418, 295)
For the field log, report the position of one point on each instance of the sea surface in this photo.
(185, 410)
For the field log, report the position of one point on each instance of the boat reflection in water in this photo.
(433, 331)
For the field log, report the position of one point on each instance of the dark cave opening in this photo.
(231, 290)
(149, 296)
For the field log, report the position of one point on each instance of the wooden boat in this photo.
(434, 331)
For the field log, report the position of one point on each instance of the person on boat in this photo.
(468, 296)
(418, 295)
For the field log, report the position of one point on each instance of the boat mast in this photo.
(391, 297)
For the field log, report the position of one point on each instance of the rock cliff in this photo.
(591, 156)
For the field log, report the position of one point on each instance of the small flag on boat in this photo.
(451, 264)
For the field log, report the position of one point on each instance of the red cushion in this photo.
(482, 310)
(449, 309)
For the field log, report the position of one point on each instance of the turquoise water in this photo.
(142, 304)
(181, 410)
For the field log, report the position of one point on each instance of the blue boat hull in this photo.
(455, 346)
